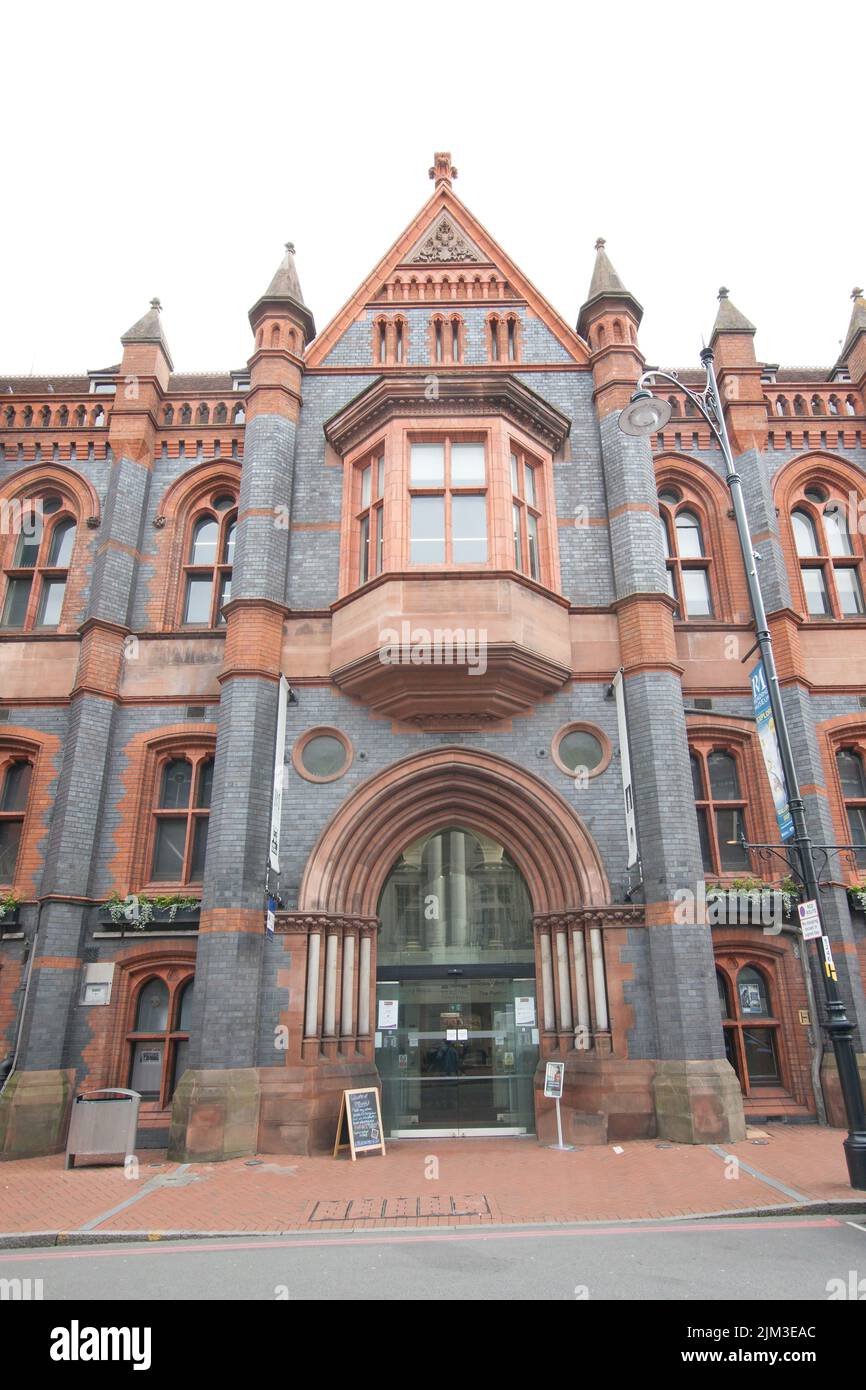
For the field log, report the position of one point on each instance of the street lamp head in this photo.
(645, 414)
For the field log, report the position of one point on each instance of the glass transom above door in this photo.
(454, 897)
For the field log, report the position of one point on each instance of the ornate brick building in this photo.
(427, 520)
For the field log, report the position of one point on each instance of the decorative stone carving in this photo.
(445, 243)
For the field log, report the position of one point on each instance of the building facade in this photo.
(427, 521)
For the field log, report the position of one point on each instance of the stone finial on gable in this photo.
(443, 170)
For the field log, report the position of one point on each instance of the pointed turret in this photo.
(729, 319)
(857, 324)
(606, 292)
(608, 321)
(148, 329)
(739, 372)
(283, 297)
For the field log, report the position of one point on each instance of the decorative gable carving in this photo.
(445, 242)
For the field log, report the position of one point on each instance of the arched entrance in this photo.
(436, 897)
(457, 1030)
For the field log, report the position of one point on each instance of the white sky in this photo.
(171, 149)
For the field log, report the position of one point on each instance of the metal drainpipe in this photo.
(23, 1005)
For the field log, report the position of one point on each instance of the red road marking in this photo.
(171, 1247)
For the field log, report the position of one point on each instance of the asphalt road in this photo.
(791, 1258)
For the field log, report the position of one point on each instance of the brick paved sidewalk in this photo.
(422, 1183)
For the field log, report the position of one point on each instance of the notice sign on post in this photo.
(810, 924)
(554, 1077)
(359, 1128)
(554, 1081)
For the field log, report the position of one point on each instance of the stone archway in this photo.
(428, 791)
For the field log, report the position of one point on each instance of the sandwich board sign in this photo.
(359, 1128)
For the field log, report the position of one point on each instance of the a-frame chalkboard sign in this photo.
(359, 1128)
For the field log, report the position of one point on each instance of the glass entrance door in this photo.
(457, 1055)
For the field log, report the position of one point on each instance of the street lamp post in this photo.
(645, 415)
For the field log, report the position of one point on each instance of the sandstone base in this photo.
(34, 1113)
(215, 1116)
(698, 1102)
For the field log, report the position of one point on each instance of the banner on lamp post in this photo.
(766, 726)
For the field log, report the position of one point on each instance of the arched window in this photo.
(27, 416)
(494, 345)
(800, 406)
(45, 417)
(186, 414)
(221, 415)
(238, 414)
(9, 417)
(829, 562)
(158, 1039)
(203, 414)
(36, 578)
(512, 331)
(782, 407)
(751, 1028)
(833, 405)
(454, 896)
(180, 819)
(370, 515)
(168, 415)
(63, 415)
(15, 775)
(81, 417)
(852, 777)
(850, 405)
(817, 405)
(687, 563)
(210, 557)
(721, 811)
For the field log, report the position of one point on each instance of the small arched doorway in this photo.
(457, 1035)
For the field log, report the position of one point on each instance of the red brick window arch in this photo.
(37, 561)
(16, 773)
(446, 339)
(829, 550)
(157, 1038)
(209, 558)
(503, 337)
(748, 992)
(721, 807)
(390, 340)
(687, 557)
(180, 816)
(851, 772)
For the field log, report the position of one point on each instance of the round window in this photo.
(581, 746)
(670, 495)
(322, 755)
(223, 502)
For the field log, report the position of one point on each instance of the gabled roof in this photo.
(456, 237)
